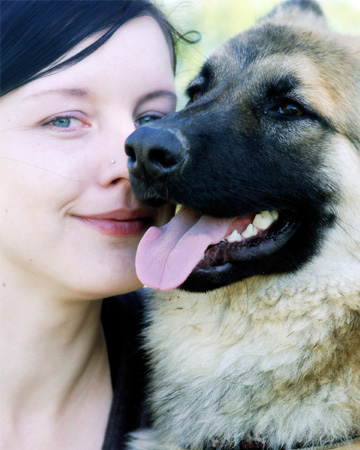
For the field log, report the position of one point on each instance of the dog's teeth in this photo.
(250, 231)
(264, 219)
(274, 214)
(235, 236)
(261, 221)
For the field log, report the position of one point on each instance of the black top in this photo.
(122, 322)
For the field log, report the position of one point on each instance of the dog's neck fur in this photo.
(353, 443)
(259, 360)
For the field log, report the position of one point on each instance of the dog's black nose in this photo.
(156, 152)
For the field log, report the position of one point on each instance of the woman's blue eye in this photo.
(145, 120)
(64, 122)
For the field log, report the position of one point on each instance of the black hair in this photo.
(37, 34)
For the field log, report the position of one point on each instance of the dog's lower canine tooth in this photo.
(264, 219)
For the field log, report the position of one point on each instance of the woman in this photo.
(77, 78)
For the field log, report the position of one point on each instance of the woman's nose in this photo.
(113, 161)
(114, 173)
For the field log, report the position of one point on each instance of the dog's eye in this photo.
(195, 95)
(289, 109)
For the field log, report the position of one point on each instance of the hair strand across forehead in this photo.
(35, 34)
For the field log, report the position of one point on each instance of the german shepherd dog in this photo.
(260, 345)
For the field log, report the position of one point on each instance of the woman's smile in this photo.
(120, 222)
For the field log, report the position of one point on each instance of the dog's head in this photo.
(264, 158)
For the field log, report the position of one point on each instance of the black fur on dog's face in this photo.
(255, 136)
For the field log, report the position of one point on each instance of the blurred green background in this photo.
(218, 20)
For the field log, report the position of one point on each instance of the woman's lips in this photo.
(119, 223)
(119, 227)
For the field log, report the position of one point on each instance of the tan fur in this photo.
(274, 357)
(354, 446)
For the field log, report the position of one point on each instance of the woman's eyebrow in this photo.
(66, 92)
(159, 93)
(75, 92)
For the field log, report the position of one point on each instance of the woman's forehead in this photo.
(137, 47)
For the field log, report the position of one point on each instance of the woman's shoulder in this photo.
(123, 308)
(122, 319)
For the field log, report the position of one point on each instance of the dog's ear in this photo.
(295, 11)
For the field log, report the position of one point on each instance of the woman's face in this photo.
(69, 222)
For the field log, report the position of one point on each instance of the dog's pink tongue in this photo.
(166, 256)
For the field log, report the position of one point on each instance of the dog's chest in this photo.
(225, 365)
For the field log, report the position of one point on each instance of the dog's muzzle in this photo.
(156, 152)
